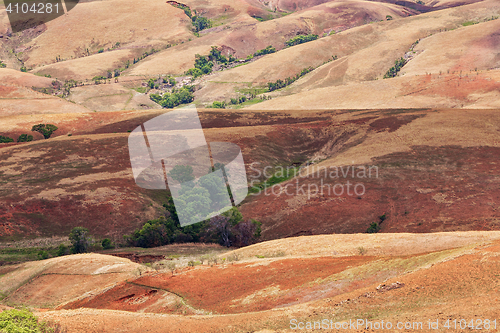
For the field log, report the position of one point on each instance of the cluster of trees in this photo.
(199, 23)
(5, 139)
(155, 83)
(289, 80)
(82, 242)
(300, 39)
(25, 138)
(227, 229)
(21, 138)
(177, 97)
(204, 64)
(45, 129)
(393, 71)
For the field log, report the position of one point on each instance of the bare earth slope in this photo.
(307, 288)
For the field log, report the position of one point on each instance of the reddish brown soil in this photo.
(441, 172)
(221, 289)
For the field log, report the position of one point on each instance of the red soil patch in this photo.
(458, 85)
(216, 289)
(125, 296)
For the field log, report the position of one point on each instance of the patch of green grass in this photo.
(24, 254)
(281, 175)
(141, 90)
(255, 91)
(468, 23)
(249, 102)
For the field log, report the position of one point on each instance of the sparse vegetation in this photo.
(288, 81)
(373, 228)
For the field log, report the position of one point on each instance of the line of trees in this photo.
(393, 71)
(300, 39)
(227, 229)
(288, 81)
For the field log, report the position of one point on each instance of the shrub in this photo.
(45, 129)
(300, 39)
(388, 17)
(24, 69)
(79, 237)
(171, 267)
(200, 23)
(219, 105)
(373, 228)
(2, 65)
(25, 138)
(362, 251)
(42, 255)
(106, 244)
(101, 50)
(22, 321)
(62, 250)
(5, 139)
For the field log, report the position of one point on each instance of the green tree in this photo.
(106, 244)
(200, 23)
(25, 138)
(182, 173)
(45, 129)
(79, 237)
